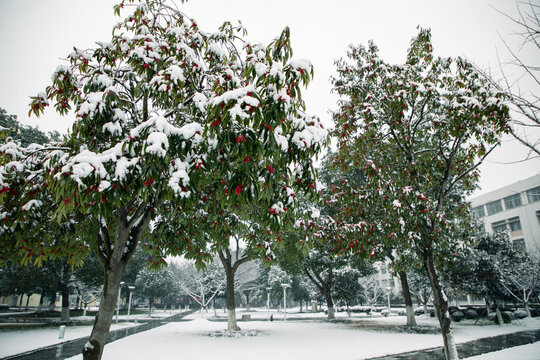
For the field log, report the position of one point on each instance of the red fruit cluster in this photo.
(240, 139)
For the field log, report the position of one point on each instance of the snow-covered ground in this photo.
(18, 340)
(284, 339)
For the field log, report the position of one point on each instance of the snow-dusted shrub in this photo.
(471, 314)
(457, 316)
(519, 314)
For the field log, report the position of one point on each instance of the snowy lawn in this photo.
(18, 340)
(365, 338)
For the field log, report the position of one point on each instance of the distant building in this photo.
(514, 208)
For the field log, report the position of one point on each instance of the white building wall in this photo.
(528, 212)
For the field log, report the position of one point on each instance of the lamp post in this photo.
(118, 301)
(285, 286)
(131, 288)
(268, 289)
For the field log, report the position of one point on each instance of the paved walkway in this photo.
(472, 348)
(74, 347)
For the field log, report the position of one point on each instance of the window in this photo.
(513, 201)
(479, 211)
(499, 226)
(515, 226)
(494, 207)
(533, 195)
(519, 245)
(512, 224)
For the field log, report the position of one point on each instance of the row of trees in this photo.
(190, 142)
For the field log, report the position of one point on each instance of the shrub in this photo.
(519, 314)
(471, 314)
(457, 316)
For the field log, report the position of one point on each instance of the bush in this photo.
(385, 313)
(505, 316)
(452, 309)
(481, 312)
(457, 316)
(419, 312)
(519, 314)
(471, 314)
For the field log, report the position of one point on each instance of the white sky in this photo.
(35, 35)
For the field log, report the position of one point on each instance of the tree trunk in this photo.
(411, 321)
(527, 309)
(498, 312)
(40, 306)
(150, 304)
(231, 305)
(93, 349)
(247, 300)
(329, 304)
(441, 306)
(64, 288)
(27, 301)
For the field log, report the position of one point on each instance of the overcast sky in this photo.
(36, 34)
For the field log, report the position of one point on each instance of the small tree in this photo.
(521, 279)
(155, 285)
(371, 289)
(418, 131)
(201, 286)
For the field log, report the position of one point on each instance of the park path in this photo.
(73, 347)
(471, 348)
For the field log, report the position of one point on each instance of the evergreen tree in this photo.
(418, 131)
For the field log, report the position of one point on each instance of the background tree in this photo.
(520, 78)
(201, 286)
(418, 131)
(346, 286)
(420, 286)
(481, 269)
(155, 284)
(371, 289)
(521, 279)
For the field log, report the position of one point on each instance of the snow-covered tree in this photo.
(201, 286)
(346, 285)
(155, 284)
(521, 279)
(372, 291)
(481, 268)
(418, 131)
(161, 109)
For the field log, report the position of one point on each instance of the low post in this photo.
(268, 289)
(131, 288)
(118, 301)
(285, 286)
(62, 331)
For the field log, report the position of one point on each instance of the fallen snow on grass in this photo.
(16, 341)
(305, 339)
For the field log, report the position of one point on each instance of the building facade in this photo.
(515, 209)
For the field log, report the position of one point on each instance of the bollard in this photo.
(62, 331)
